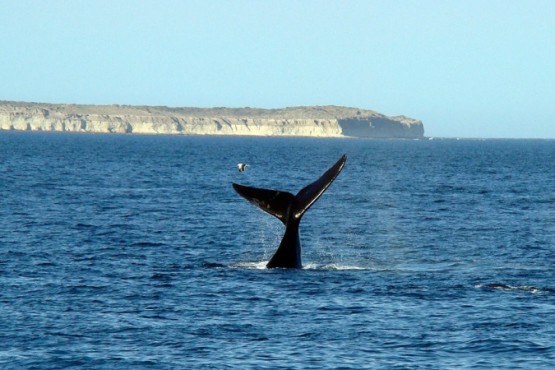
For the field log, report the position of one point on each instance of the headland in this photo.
(309, 121)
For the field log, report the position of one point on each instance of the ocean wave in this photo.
(519, 288)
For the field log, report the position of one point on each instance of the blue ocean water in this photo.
(124, 251)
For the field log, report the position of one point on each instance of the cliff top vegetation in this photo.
(300, 112)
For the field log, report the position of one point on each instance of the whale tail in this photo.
(282, 204)
(289, 209)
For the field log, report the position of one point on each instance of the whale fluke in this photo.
(274, 202)
(289, 209)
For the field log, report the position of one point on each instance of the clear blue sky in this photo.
(467, 68)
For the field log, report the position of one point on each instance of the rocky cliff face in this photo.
(327, 121)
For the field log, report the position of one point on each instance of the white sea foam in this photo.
(332, 266)
(261, 265)
(251, 265)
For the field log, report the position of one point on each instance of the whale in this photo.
(289, 209)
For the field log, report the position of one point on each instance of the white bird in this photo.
(242, 166)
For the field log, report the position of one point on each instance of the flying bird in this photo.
(242, 167)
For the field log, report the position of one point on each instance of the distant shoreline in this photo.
(310, 121)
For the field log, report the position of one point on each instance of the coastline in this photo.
(311, 121)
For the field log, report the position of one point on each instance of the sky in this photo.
(467, 68)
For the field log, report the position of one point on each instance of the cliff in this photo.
(318, 121)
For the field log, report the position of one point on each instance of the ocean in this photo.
(129, 251)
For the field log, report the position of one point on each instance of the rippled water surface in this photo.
(135, 252)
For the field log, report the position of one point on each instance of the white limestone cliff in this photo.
(327, 121)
